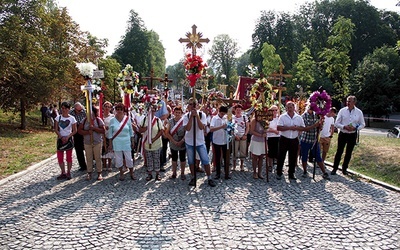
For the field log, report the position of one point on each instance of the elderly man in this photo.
(349, 121)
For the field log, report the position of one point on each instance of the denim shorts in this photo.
(306, 147)
(201, 150)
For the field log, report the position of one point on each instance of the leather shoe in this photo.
(345, 172)
(291, 177)
(217, 177)
(333, 172)
(228, 177)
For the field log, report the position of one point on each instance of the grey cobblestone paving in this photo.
(39, 212)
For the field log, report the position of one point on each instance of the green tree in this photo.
(28, 66)
(375, 81)
(134, 48)
(304, 70)
(223, 58)
(111, 68)
(271, 60)
(336, 59)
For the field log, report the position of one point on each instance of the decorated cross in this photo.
(279, 76)
(152, 78)
(194, 40)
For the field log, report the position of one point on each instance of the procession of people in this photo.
(121, 135)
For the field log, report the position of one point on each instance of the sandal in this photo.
(88, 176)
(121, 177)
(133, 177)
(255, 176)
(173, 176)
(183, 177)
(99, 178)
(149, 177)
(158, 177)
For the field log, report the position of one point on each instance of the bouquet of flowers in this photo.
(128, 80)
(194, 65)
(86, 69)
(260, 94)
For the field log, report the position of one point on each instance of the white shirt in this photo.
(345, 117)
(199, 133)
(274, 125)
(65, 124)
(286, 120)
(326, 128)
(219, 136)
(241, 123)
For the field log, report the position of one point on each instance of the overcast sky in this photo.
(173, 18)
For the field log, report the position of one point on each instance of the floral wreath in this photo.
(194, 66)
(128, 80)
(213, 96)
(260, 94)
(320, 102)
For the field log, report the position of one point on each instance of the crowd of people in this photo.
(199, 135)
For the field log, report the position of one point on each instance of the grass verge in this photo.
(20, 149)
(376, 157)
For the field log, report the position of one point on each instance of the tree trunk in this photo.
(23, 114)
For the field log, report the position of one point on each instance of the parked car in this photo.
(394, 132)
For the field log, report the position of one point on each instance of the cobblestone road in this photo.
(39, 212)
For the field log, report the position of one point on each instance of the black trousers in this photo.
(163, 153)
(79, 150)
(220, 153)
(343, 140)
(291, 146)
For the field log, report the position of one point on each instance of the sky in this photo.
(172, 19)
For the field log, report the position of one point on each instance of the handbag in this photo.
(67, 146)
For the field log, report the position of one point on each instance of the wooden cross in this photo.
(279, 76)
(152, 78)
(194, 40)
(166, 89)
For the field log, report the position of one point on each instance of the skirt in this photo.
(257, 148)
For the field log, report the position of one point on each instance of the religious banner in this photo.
(243, 91)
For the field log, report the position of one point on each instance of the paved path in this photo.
(39, 212)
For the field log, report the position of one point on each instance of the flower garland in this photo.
(194, 66)
(86, 69)
(260, 94)
(128, 80)
(320, 102)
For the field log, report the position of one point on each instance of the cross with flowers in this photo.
(193, 63)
